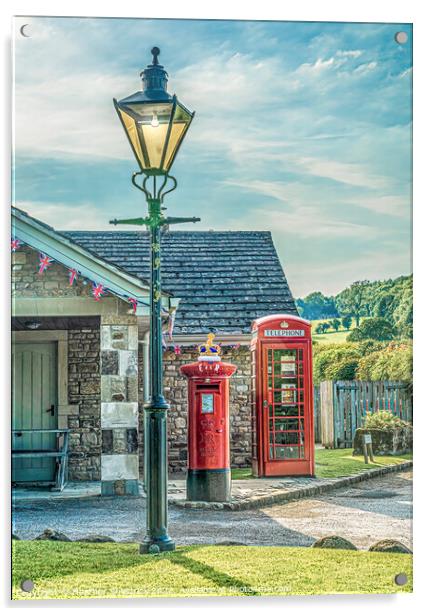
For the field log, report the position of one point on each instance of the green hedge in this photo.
(368, 360)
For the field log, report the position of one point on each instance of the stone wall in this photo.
(176, 394)
(84, 392)
(54, 282)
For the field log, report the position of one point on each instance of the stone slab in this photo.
(121, 487)
(119, 466)
(119, 415)
(128, 363)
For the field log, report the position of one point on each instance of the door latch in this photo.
(51, 410)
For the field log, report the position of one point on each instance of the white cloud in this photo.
(66, 216)
(73, 115)
(318, 66)
(365, 68)
(346, 173)
(391, 205)
(306, 222)
(349, 53)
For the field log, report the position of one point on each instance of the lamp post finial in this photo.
(155, 51)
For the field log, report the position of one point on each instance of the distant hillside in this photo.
(389, 299)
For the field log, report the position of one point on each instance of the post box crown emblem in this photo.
(209, 351)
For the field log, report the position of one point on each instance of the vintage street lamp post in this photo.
(155, 124)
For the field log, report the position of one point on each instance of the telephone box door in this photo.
(286, 417)
(282, 396)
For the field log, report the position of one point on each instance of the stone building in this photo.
(81, 363)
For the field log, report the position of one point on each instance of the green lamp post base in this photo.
(155, 546)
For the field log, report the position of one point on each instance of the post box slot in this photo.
(208, 387)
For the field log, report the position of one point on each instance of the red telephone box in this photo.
(282, 396)
(208, 475)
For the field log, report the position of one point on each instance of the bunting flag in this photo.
(98, 291)
(44, 262)
(73, 274)
(171, 322)
(15, 244)
(133, 302)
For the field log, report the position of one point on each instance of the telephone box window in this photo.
(207, 403)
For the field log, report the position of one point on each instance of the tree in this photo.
(325, 327)
(374, 328)
(346, 322)
(403, 314)
(335, 324)
(317, 306)
(354, 300)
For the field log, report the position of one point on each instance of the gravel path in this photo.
(364, 513)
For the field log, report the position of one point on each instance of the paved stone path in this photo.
(363, 513)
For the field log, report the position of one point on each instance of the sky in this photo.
(301, 128)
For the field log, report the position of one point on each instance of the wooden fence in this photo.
(317, 421)
(343, 405)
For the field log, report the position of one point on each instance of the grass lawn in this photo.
(332, 463)
(332, 337)
(340, 462)
(79, 570)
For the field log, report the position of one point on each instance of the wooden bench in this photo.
(60, 454)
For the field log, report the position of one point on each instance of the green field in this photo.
(332, 463)
(112, 570)
(332, 337)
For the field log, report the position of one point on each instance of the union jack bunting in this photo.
(134, 303)
(15, 244)
(73, 274)
(98, 291)
(44, 262)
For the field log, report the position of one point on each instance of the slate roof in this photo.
(225, 279)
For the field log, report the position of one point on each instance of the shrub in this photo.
(372, 329)
(335, 361)
(392, 362)
(384, 420)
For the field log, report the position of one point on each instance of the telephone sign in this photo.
(286, 333)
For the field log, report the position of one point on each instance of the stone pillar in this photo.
(119, 405)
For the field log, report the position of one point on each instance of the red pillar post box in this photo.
(282, 396)
(208, 475)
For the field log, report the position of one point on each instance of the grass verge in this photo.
(332, 463)
(79, 570)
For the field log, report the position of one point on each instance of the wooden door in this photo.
(34, 407)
